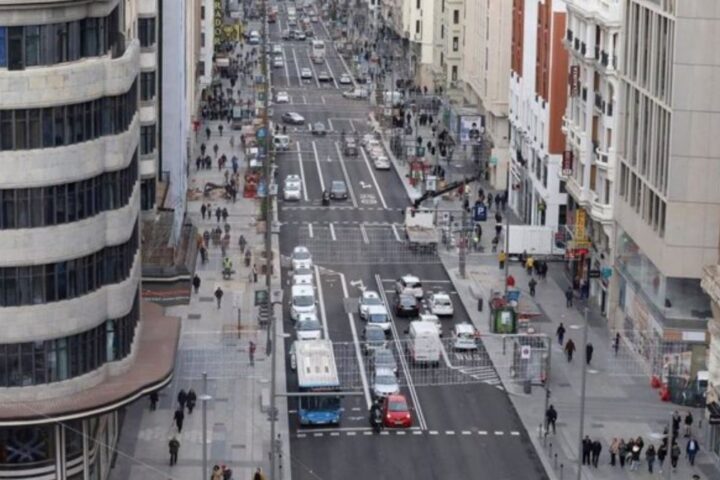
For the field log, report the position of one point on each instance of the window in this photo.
(418, 4)
(456, 16)
(15, 48)
(417, 26)
(456, 44)
(146, 30)
(89, 34)
(147, 139)
(147, 86)
(3, 50)
(32, 46)
(454, 73)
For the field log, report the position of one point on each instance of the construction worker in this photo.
(502, 258)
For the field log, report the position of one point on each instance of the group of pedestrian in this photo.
(220, 472)
(591, 450)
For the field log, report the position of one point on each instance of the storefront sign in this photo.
(580, 232)
(218, 22)
(567, 163)
(574, 80)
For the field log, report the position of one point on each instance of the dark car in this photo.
(406, 305)
(338, 190)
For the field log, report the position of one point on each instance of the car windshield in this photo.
(303, 300)
(378, 318)
(384, 357)
(374, 334)
(372, 300)
(407, 301)
(338, 186)
(442, 301)
(397, 406)
(465, 335)
(301, 255)
(309, 325)
(302, 272)
(413, 285)
(385, 379)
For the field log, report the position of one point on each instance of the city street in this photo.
(463, 422)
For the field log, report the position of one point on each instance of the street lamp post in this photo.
(204, 398)
(586, 327)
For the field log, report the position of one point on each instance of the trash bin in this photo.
(527, 386)
(480, 304)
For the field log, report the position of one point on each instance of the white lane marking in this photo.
(287, 70)
(397, 234)
(352, 434)
(310, 230)
(449, 432)
(301, 435)
(318, 434)
(347, 177)
(433, 432)
(297, 68)
(302, 172)
(312, 68)
(482, 432)
(330, 125)
(499, 433)
(365, 238)
(332, 75)
(358, 353)
(392, 280)
(317, 162)
(337, 429)
(347, 70)
(466, 432)
(400, 432)
(384, 432)
(403, 363)
(322, 302)
(372, 175)
(332, 232)
(352, 125)
(322, 99)
(515, 434)
(335, 434)
(367, 433)
(417, 432)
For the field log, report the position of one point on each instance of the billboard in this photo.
(466, 124)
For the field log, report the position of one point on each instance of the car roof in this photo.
(301, 248)
(303, 317)
(464, 328)
(293, 177)
(384, 371)
(397, 397)
(370, 294)
(410, 279)
(338, 182)
(441, 295)
(376, 309)
(302, 290)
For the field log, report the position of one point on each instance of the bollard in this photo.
(503, 345)
(550, 449)
(562, 466)
(555, 464)
(540, 430)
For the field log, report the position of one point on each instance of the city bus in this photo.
(318, 51)
(317, 373)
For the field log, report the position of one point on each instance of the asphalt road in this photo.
(464, 425)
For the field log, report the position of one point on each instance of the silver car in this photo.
(374, 338)
(385, 383)
(383, 358)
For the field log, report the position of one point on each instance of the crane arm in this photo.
(450, 186)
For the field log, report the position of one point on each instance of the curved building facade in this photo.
(75, 339)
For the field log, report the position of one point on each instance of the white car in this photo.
(376, 152)
(378, 315)
(306, 73)
(282, 97)
(278, 62)
(464, 337)
(302, 301)
(409, 284)
(302, 276)
(308, 327)
(292, 190)
(301, 258)
(429, 317)
(381, 162)
(385, 383)
(441, 305)
(371, 144)
(345, 79)
(369, 298)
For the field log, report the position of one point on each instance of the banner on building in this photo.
(580, 232)
(567, 163)
(574, 80)
(218, 21)
(471, 127)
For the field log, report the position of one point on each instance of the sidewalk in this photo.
(618, 403)
(214, 340)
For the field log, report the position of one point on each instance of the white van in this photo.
(464, 337)
(424, 343)
(254, 38)
(281, 143)
(302, 301)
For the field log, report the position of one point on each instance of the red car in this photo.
(396, 412)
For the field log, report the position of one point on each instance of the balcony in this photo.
(600, 212)
(601, 159)
(578, 193)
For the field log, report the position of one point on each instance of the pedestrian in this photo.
(254, 273)
(674, 455)
(196, 283)
(220, 129)
(259, 475)
(661, 454)
(218, 295)
(174, 446)
(569, 349)
(622, 453)
(532, 284)
(650, 457)
(216, 473)
(215, 149)
(182, 399)
(225, 214)
(179, 418)
(688, 424)
(198, 161)
(596, 450)
(529, 264)
(191, 400)
(616, 343)
(692, 448)
(251, 352)
(550, 419)
(635, 457)
(226, 472)
(614, 449)
(569, 297)
(675, 424)
(203, 209)
(153, 400)
(502, 258)
(218, 214)
(207, 133)
(586, 450)
(589, 349)
(510, 281)
(560, 333)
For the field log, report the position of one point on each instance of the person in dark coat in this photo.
(182, 399)
(153, 400)
(650, 457)
(550, 418)
(218, 214)
(586, 450)
(203, 209)
(174, 446)
(569, 349)
(191, 400)
(569, 294)
(560, 333)
(179, 418)
(196, 283)
(589, 349)
(661, 454)
(596, 450)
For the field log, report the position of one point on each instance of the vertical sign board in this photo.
(218, 22)
(574, 80)
(580, 225)
(567, 163)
